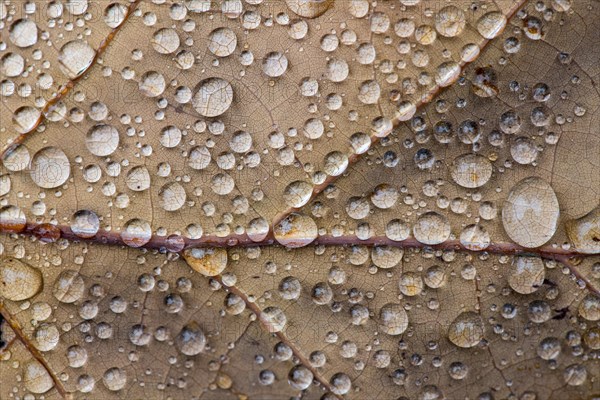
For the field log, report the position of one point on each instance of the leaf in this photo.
(299, 199)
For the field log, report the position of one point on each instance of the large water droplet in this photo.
(50, 168)
(85, 224)
(222, 42)
(431, 228)
(393, 320)
(530, 213)
(19, 281)
(136, 232)
(23, 33)
(471, 170)
(527, 274)
(584, 232)
(102, 140)
(273, 318)
(207, 261)
(466, 330)
(213, 98)
(309, 8)
(75, 57)
(450, 21)
(491, 24)
(36, 378)
(296, 230)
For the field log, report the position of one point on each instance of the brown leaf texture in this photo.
(299, 199)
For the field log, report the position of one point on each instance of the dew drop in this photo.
(12, 219)
(386, 256)
(393, 320)
(75, 57)
(19, 281)
(165, 41)
(295, 230)
(273, 318)
(50, 168)
(530, 213)
(471, 170)
(213, 98)
(450, 21)
(466, 330)
(309, 8)
(23, 33)
(431, 228)
(275, 64)
(136, 232)
(300, 377)
(475, 238)
(114, 379)
(222, 42)
(491, 24)
(584, 232)
(102, 140)
(297, 194)
(36, 378)
(527, 274)
(207, 261)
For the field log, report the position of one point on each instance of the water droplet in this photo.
(527, 274)
(165, 41)
(152, 84)
(213, 98)
(19, 281)
(466, 330)
(85, 224)
(397, 230)
(549, 348)
(275, 64)
(575, 375)
(300, 377)
(431, 228)
(530, 213)
(68, 287)
(102, 140)
(36, 378)
(207, 261)
(384, 196)
(136, 232)
(393, 320)
(340, 383)
(222, 42)
(589, 308)
(46, 337)
(450, 21)
(309, 8)
(410, 284)
(475, 237)
(138, 179)
(491, 24)
(273, 318)
(471, 170)
(26, 119)
(584, 232)
(296, 230)
(12, 219)
(290, 288)
(447, 73)
(114, 379)
(297, 194)
(386, 256)
(50, 168)
(172, 196)
(23, 33)
(75, 57)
